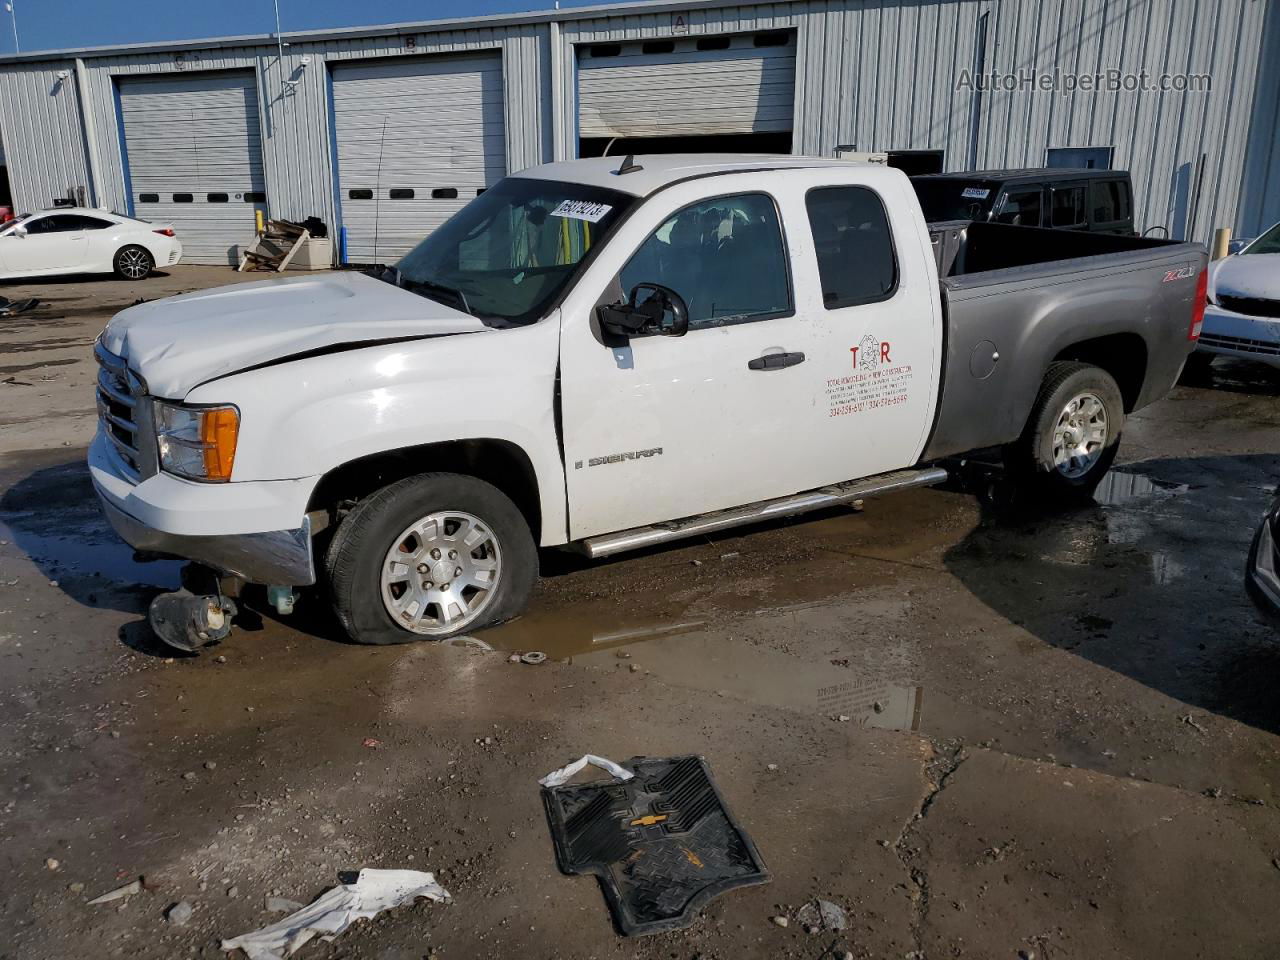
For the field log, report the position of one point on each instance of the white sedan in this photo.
(1243, 314)
(82, 240)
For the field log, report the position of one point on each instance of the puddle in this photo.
(108, 559)
(1119, 487)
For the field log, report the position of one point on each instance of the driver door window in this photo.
(1021, 207)
(725, 257)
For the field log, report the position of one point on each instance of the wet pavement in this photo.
(978, 727)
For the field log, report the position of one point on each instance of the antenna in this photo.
(629, 165)
(377, 191)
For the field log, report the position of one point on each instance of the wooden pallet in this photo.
(274, 247)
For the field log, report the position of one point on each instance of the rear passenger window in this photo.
(1021, 208)
(724, 257)
(851, 239)
(1068, 207)
(1110, 201)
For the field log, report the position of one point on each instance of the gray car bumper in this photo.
(281, 557)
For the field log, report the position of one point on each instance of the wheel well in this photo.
(498, 462)
(1123, 355)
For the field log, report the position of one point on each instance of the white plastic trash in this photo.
(335, 910)
(557, 777)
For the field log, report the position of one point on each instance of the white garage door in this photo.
(687, 86)
(193, 152)
(416, 139)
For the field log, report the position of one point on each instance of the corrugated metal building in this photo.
(388, 130)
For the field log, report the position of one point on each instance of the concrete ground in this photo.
(1061, 734)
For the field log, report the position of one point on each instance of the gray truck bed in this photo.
(1029, 297)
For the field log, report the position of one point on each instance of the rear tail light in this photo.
(1197, 309)
(166, 232)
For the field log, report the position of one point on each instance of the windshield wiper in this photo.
(430, 286)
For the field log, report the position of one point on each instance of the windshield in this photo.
(1269, 242)
(509, 252)
(957, 199)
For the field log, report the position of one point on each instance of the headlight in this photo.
(197, 442)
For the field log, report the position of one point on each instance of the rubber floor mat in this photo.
(662, 844)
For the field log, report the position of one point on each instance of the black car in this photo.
(1090, 200)
(1263, 574)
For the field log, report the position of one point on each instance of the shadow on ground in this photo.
(1148, 582)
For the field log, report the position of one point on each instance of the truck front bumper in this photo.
(212, 524)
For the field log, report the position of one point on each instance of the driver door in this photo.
(52, 243)
(659, 427)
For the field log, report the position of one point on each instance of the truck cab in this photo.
(1060, 198)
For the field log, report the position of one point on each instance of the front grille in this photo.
(119, 396)
(1251, 306)
(1269, 348)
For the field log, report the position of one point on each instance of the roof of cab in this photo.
(656, 171)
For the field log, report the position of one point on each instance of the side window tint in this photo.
(724, 257)
(58, 223)
(854, 247)
(1068, 206)
(93, 223)
(1105, 202)
(1021, 207)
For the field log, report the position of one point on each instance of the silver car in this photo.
(1242, 318)
(1263, 574)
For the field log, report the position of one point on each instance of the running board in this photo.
(608, 544)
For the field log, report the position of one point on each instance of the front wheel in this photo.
(133, 263)
(430, 557)
(1072, 435)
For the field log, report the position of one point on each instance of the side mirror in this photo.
(651, 309)
(19, 231)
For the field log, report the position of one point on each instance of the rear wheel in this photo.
(134, 262)
(430, 557)
(1072, 435)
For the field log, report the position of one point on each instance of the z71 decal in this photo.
(1186, 273)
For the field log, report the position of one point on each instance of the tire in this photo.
(364, 600)
(133, 263)
(1040, 461)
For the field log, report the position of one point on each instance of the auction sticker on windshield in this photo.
(975, 193)
(581, 210)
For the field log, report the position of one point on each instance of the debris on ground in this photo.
(179, 913)
(661, 842)
(119, 893)
(1190, 721)
(533, 657)
(566, 773)
(819, 915)
(283, 905)
(373, 743)
(373, 892)
(51, 864)
(780, 921)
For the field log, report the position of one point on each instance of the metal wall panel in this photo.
(406, 131)
(876, 74)
(741, 89)
(43, 139)
(193, 152)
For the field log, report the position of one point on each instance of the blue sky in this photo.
(53, 24)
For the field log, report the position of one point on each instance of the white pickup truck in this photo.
(609, 354)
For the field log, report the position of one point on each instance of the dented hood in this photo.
(181, 342)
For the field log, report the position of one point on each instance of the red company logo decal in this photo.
(870, 353)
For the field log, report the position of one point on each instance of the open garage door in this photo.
(719, 93)
(193, 157)
(416, 139)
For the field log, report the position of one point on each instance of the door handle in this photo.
(775, 361)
